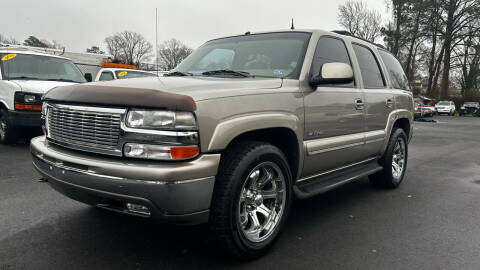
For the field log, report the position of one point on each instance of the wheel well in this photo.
(283, 138)
(404, 124)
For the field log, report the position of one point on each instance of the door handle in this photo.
(359, 104)
(389, 102)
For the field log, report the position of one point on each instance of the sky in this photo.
(81, 24)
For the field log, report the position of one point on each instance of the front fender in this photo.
(231, 128)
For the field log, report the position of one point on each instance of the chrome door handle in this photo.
(389, 102)
(359, 104)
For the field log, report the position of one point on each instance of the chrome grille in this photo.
(85, 128)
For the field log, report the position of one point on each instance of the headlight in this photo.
(28, 101)
(146, 119)
(29, 98)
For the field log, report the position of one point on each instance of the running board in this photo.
(324, 183)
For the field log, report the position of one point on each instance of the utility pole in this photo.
(156, 40)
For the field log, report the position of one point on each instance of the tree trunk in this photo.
(448, 50)
(398, 21)
(438, 64)
(434, 32)
(408, 67)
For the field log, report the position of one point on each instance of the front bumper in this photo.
(178, 193)
(25, 118)
(444, 110)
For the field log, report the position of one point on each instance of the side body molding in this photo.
(230, 128)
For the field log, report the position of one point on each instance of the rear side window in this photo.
(330, 50)
(371, 73)
(397, 76)
(106, 76)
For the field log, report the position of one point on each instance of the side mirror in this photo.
(333, 73)
(88, 77)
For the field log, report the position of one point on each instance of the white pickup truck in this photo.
(24, 77)
(109, 74)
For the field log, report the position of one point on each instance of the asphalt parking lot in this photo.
(430, 222)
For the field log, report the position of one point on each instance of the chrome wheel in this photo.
(398, 160)
(262, 202)
(3, 127)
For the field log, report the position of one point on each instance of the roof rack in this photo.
(346, 33)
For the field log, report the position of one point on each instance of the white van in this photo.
(24, 77)
(108, 74)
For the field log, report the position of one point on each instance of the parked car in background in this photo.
(445, 107)
(24, 77)
(418, 113)
(429, 110)
(109, 74)
(470, 108)
(423, 111)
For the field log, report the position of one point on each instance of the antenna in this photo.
(292, 27)
(156, 41)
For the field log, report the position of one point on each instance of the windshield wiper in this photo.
(178, 73)
(226, 71)
(23, 78)
(62, 80)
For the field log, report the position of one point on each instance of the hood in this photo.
(199, 88)
(38, 87)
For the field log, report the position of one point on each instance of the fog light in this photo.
(138, 209)
(160, 152)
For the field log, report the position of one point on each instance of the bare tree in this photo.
(129, 47)
(459, 15)
(11, 40)
(94, 49)
(362, 22)
(172, 52)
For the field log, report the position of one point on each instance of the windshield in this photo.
(443, 103)
(127, 74)
(277, 55)
(470, 103)
(38, 67)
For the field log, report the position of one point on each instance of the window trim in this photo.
(355, 85)
(385, 85)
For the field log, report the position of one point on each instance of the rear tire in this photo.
(394, 162)
(251, 199)
(8, 133)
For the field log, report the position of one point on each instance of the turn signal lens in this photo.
(26, 107)
(183, 152)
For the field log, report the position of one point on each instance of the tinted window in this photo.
(330, 50)
(106, 76)
(371, 74)
(397, 76)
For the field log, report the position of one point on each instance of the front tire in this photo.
(251, 199)
(394, 162)
(8, 133)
